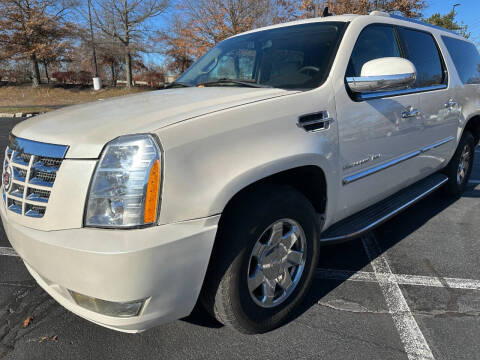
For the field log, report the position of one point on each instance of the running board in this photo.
(366, 220)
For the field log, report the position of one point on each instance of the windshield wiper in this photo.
(234, 82)
(177, 85)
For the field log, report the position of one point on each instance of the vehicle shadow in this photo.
(351, 255)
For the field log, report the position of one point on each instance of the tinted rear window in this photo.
(466, 59)
(420, 48)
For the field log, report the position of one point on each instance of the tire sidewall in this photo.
(295, 207)
(454, 188)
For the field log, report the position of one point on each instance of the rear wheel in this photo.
(264, 260)
(460, 167)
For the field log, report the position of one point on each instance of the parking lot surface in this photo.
(408, 290)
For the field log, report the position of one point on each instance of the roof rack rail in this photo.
(419, 22)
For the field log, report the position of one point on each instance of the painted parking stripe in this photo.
(414, 280)
(7, 251)
(411, 336)
(474, 181)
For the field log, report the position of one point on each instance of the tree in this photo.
(111, 55)
(179, 47)
(201, 24)
(447, 21)
(124, 20)
(33, 30)
(408, 8)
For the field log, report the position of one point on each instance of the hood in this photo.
(87, 128)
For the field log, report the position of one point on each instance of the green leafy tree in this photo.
(447, 21)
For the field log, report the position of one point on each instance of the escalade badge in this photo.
(372, 157)
(7, 179)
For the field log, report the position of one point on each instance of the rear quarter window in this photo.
(466, 59)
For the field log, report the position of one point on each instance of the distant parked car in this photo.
(224, 187)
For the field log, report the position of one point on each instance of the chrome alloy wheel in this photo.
(276, 263)
(464, 164)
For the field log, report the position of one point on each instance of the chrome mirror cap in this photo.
(367, 84)
(384, 74)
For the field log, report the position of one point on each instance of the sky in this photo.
(468, 11)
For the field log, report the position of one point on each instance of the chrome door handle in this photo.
(450, 104)
(410, 113)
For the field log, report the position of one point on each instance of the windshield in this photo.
(293, 57)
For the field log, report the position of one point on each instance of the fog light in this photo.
(109, 308)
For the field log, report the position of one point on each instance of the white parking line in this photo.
(7, 251)
(412, 338)
(474, 181)
(414, 280)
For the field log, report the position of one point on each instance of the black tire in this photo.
(455, 186)
(225, 293)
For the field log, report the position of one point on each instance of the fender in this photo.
(257, 174)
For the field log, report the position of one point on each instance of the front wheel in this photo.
(264, 260)
(460, 167)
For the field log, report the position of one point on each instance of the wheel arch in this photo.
(473, 125)
(310, 180)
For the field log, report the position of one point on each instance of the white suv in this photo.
(223, 187)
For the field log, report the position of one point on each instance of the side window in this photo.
(420, 48)
(466, 59)
(375, 41)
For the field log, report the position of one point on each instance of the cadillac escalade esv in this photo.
(224, 187)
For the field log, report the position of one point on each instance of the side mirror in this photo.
(384, 74)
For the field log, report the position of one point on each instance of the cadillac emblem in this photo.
(7, 179)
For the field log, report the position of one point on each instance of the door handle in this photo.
(450, 104)
(410, 113)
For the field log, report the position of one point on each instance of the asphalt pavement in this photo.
(408, 290)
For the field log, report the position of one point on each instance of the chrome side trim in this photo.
(386, 217)
(437, 144)
(355, 177)
(362, 174)
(37, 148)
(376, 95)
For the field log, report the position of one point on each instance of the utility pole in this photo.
(315, 14)
(92, 39)
(453, 9)
(453, 14)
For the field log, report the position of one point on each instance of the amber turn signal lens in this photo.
(151, 199)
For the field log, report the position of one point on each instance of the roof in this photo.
(351, 17)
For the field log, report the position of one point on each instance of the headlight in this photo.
(126, 184)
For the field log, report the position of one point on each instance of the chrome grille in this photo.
(33, 168)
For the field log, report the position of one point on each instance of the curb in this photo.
(18, 115)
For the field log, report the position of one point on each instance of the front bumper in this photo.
(164, 264)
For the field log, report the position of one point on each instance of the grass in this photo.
(24, 109)
(14, 99)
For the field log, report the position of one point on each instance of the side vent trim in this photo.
(315, 122)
